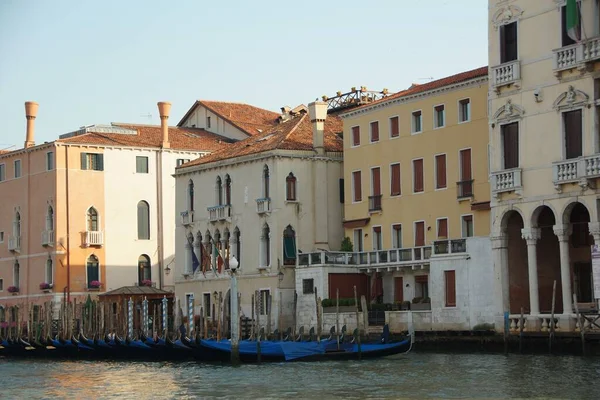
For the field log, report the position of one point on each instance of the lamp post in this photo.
(235, 318)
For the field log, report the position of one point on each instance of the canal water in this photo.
(412, 376)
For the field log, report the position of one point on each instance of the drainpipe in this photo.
(164, 109)
(68, 225)
(31, 109)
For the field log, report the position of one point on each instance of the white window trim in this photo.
(437, 228)
(563, 133)
(372, 181)
(446, 293)
(53, 161)
(2, 237)
(285, 189)
(502, 165)
(354, 201)
(390, 127)
(415, 232)
(459, 104)
(435, 116)
(361, 239)
(371, 132)
(2, 287)
(462, 225)
(390, 172)
(86, 270)
(15, 168)
(412, 164)
(352, 145)
(5, 179)
(499, 40)
(412, 122)
(373, 239)
(435, 177)
(147, 165)
(392, 230)
(50, 278)
(260, 290)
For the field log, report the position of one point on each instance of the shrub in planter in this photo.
(95, 284)
(426, 300)
(405, 305)
(146, 282)
(417, 300)
(347, 245)
(13, 289)
(44, 286)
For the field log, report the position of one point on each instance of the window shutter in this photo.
(450, 278)
(440, 162)
(357, 186)
(573, 133)
(100, 162)
(356, 136)
(395, 184)
(375, 177)
(465, 165)
(420, 234)
(418, 175)
(84, 163)
(377, 229)
(398, 289)
(395, 127)
(375, 131)
(442, 228)
(510, 135)
(342, 191)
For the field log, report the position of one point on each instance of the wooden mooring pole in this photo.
(337, 317)
(552, 325)
(521, 326)
(581, 324)
(357, 323)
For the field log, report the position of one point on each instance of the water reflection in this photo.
(409, 376)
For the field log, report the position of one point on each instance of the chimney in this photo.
(317, 112)
(31, 109)
(164, 109)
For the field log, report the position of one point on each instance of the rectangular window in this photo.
(376, 181)
(308, 286)
(395, 182)
(356, 186)
(394, 127)
(508, 42)
(467, 226)
(341, 187)
(374, 128)
(17, 168)
(92, 161)
(398, 289)
(450, 280)
(573, 134)
(510, 145)
(49, 161)
(566, 39)
(1, 285)
(181, 161)
(418, 176)
(419, 234)
(49, 272)
(417, 121)
(207, 122)
(141, 165)
(2, 172)
(397, 236)
(377, 238)
(206, 304)
(465, 186)
(464, 110)
(356, 136)
(1, 237)
(358, 240)
(439, 117)
(442, 228)
(421, 286)
(263, 301)
(440, 171)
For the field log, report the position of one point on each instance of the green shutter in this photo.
(289, 247)
(100, 161)
(84, 163)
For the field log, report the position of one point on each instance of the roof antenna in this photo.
(149, 116)
(426, 79)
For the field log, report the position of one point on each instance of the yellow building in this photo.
(417, 195)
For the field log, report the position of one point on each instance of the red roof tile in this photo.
(250, 119)
(151, 136)
(295, 134)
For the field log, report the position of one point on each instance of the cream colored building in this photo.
(545, 158)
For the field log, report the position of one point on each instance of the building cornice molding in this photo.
(508, 112)
(417, 96)
(570, 99)
(506, 15)
(133, 148)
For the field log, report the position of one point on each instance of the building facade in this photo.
(263, 200)
(544, 91)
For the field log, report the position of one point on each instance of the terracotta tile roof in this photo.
(249, 119)
(447, 81)
(151, 136)
(295, 134)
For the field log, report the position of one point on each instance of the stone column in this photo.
(563, 232)
(594, 228)
(532, 236)
(502, 283)
(198, 252)
(188, 258)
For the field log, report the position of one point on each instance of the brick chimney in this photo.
(31, 109)
(317, 111)
(164, 109)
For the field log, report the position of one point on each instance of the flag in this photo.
(195, 262)
(205, 260)
(573, 20)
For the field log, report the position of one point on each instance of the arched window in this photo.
(2, 314)
(189, 254)
(50, 219)
(219, 191)
(266, 246)
(144, 270)
(93, 272)
(49, 271)
(290, 187)
(226, 250)
(92, 220)
(17, 225)
(191, 195)
(266, 182)
(228, 191)
(218, 260)
(143, 220)
(16, 274)
(289, 246)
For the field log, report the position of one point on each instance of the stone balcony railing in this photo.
(508, 180)
(452, 246)
(14, 244)
(263, 205)
(93, 238)
(576, 55)
(576, 169)
(507, 73)
(48, 238)
(187, 217)
(219, 213)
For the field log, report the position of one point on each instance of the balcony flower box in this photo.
(45, 287)
(421, 304)
(94, 285)
(147, 282)
(13, 289)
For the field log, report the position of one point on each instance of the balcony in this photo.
(453, 246)
(93, 238)
(576, 55)
(263, 205)
(464, 189)
(219, 213)
(14, 244)
(368, 260)
(591, 49)
(506, 181)
(187, 217)
(506, 74)
(48, 238)
(375, 203)
(576, 170)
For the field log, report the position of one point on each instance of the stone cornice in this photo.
(414, 97)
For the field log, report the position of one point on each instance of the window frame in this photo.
(376, 122)
(400, 179)
(415, 232)
(390, 126)
(413, 175)
(447, 303)
(435, 116)
(394, 235)
(2, 172)
(356, 248)
(502, 155)
(500, 28)
(139, 237)
(207, 310)
(412, 122)
(437, 228)
(291, 183)
(462, 225)
(87, 279)
(354, 201)
(564, 132)
(49, 271)
(435, 172)
(147, 171)
(50, 157)
(373, 232)
(20, 164)
(352, 142)
(304, 286)
(460, 105)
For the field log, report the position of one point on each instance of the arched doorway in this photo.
(518, 275)
(144, 271)
(548, 260)
(580, 253)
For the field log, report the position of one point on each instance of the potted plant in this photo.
(405, 306)
(95, 284)
(45, 286)
(147, 282)
(421, 304)
(13, 289)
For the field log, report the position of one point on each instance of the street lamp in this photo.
(167, 270)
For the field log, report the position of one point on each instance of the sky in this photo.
(108, 61)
